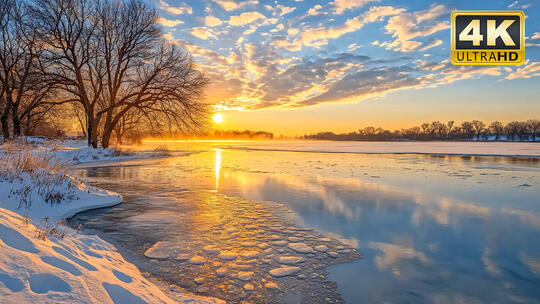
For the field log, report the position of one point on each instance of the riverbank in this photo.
(45, 261)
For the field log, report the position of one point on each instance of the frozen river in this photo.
(432, 228)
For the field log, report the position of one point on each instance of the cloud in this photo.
(230, 5)
(245, 18)
(405, 27)
(318, 36)
(342, 5)
(167, 22)
(533, 41)
(527, 71)
(212, 21)
(283, 10)
(353, 47)
(432, 44)
(316, 10)
(202, 33)
(364, 84)
(394, 253)
(429, 66)
(182, 9)
(452, 73)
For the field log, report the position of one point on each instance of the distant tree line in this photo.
(104, 64)
(468, 130)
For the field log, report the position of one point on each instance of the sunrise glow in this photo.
(217, 118)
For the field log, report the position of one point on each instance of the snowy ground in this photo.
(43, 261)
(77, 151)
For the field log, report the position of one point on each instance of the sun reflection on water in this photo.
(217, 166)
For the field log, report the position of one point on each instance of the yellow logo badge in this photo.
(487, 37)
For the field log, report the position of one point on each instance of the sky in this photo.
(298, 66)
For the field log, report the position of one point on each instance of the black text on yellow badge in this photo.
(487, 37)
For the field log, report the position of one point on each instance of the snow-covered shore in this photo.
(42, 261)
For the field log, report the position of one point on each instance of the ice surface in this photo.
(300, 247)
(284, 271)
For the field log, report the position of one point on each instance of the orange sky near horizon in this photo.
(396, 110)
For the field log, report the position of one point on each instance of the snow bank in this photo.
(33, 185)
(27, 198)
(77, 151)
(76, 269)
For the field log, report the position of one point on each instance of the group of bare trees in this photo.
(468, 130)
(106, 59)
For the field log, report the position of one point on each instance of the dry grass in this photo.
(45, 229)
(38, 172)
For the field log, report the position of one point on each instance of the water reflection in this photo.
(433, 228)
(217, 166)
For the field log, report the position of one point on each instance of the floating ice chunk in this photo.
(248, 287)
(197, 260)
(202, 289)
(263, 245)
(248, 244)
(321, 248)
(221, 271)
(290, 260)
(300, 247)
(279, 243)
(241, 266)
(295, 239)
(244, 275)
(198, 280)
(227, 255)
(160, 250)
(250, 254)
(271, 285)
(333, 254)
(284, 271)
(183, 257)
(210, 249)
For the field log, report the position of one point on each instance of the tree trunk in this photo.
(5, 124)
(118, 137)
(108, 127)
(91, 128)
(16, 121)
(105, 140)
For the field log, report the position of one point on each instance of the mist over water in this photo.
(432, 228)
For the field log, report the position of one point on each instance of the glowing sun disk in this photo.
(217, 118)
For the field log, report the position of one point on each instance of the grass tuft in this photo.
(38, 173)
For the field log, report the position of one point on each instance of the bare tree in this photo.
(449, 125)
(111, 58)
(425, 127)
(497, 128)
(23, 88)
(133, 121)
(467, 128)
(438, 128)
(478, 128)
(512, 129)
(534, 127)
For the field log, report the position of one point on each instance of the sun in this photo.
(217, 118)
